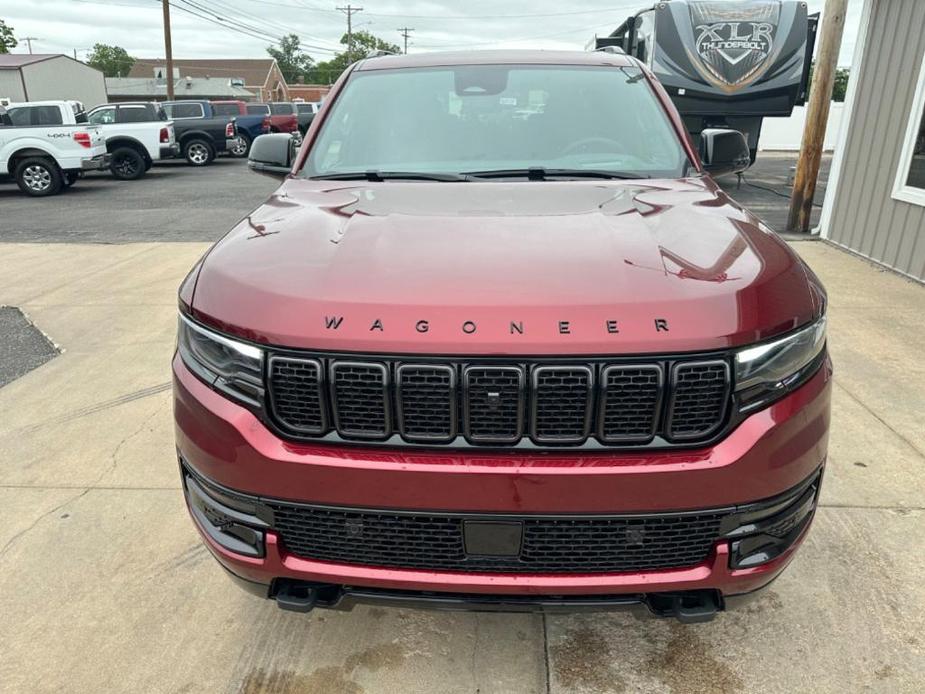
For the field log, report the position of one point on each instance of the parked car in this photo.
(201, 133)
(306, 111)
(470, 357)
(137, 135)
(247, 127)
(42, 152)
(282, 115)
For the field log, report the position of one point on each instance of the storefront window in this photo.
(910, 179)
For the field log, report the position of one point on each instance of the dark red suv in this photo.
(499, 341)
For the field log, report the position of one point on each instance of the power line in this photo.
(29, 40)
(405, 32)
(349, 10)
(633, 4)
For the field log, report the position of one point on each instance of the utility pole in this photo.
(29, 40)
(817, 114)
(168, 49)
(405, 32)
(349, 10)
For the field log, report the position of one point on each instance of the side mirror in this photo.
(724, 151)
(272, 154)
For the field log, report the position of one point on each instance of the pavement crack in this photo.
(38, 520)
(880, 419)
(546, 653)
(94, 409)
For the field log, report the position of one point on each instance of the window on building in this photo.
(910, 179)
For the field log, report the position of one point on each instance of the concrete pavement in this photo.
(104, 585)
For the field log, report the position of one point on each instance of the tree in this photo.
(328, 71)
(7, 40)
(839, 87)
(292, 61)
(112, 61)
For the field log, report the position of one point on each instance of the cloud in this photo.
(65, 25)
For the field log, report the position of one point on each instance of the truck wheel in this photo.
(242, 145)
(198, 152)
(70, 178)
(127, 164)
(38, 177)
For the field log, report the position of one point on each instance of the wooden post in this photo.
(817, 115)
(168, 49)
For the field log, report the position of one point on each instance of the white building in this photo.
(41, 77)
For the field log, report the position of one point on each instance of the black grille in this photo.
(426, 402)
(700, 395)
(561, 403)
(561, 544)
(494, 403)
(437, 402)
(296, 393)
(630, 401)
(361, 399)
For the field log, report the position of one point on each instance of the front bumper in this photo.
(774, 450)
(170, 151)
(97, 163)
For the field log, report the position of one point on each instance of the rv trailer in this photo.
(725, 63)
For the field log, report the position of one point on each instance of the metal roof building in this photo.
(49, 76)
(151, 89)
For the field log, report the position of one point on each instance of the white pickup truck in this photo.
(137, 134)
(44, 156)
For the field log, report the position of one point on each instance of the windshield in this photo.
(484, 118)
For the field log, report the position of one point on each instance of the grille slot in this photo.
(630, 400)
(562, 403)
(494, 403)
(360, 393)
(560, 544)
(426, 402)
(296, 394)
(700, 394)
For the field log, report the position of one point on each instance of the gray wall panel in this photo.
(865, 218)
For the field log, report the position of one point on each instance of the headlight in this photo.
(766, 372)
(235, 368)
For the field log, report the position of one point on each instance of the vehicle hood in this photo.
(527, 268)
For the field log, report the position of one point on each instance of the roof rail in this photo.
(610, 49)
(378, 53)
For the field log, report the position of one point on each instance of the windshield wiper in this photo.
(373, 175)
(540, 173)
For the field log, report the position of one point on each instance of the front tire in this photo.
(38, 177)
(198, 153)
(241, 147)
(127, 164)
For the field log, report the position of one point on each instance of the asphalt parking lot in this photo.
(105, 586)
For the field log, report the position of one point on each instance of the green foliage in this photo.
(328, 71)
(7, 40)
(112, 61)
(292, 61)
(839, 87)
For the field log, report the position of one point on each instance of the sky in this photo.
(61, 26)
